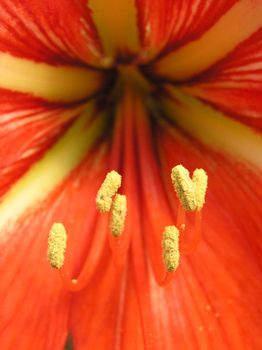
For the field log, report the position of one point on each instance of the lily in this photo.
(130, 89)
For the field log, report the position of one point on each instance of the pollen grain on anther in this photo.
(107, 190)
(184, 187)
(118, 215)
(170, 246)
(200, 180)
(191, 192)
(56, 245)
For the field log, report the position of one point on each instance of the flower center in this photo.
(118, 200)
(131, 74)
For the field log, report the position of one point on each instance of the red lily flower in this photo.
(136, 86)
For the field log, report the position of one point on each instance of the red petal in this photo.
(219, 284)
(212, 127)
(34, 307)
(28, 127)
(108, 317)
(214, 44)
(96, 310)
(167, 25)
(57, 32)
(235, 84)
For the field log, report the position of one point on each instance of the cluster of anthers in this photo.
(191, 194)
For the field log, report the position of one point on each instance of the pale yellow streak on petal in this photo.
(238, 24)
(117, 24)
(214, 129)
(62, 83)
(52, 169)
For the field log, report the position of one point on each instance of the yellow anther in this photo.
(118, 215)
(200, 181)
(57, 245)
(190, 192)
(184, 187)
(107, 190)
(170, 245)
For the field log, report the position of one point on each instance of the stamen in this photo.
(190, 192)
(57, 245)
(184, 187)
(107, 190)
(170, 245)
(200, 181)
(118, 215)
(190, 247)
(181, 218)
(78, 283)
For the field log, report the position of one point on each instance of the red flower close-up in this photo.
(130, 174)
